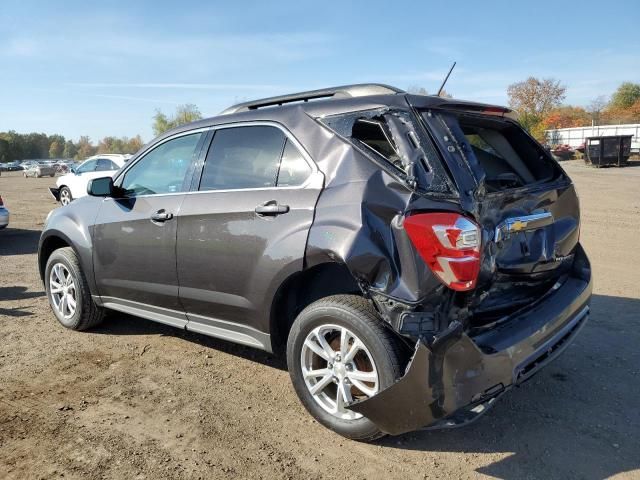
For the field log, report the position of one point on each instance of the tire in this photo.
(356, 316)
(86, 313)
(67, 195)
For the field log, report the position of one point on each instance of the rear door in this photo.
(135, 234)
(244, 229)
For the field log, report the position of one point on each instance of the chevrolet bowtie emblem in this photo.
(521, 224)
(518, 226)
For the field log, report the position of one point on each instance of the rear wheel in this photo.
(339, 352)
(65, 196)
(68, 291)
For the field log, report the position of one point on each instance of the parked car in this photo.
(414, 257)
(10, 166)
(38, 170)
(4, 215)
(74, 184)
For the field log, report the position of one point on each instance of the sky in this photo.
(104, 68)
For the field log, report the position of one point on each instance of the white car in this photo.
(74, 185)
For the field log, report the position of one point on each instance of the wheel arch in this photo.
(301, 289)
(53, 239)
(48, 245)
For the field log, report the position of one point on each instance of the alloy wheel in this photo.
(65, 197)
(63, 292)
(338, 369)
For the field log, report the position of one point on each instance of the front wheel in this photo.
(65, 196)
(68, 291)
(339, 352)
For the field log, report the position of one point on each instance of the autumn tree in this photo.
(536, 97)
(134, 144)
(533, 99)
(566, 116)
(183, 114)
(625, 96)
(614, 114)
(85, 148)
(120, 145)
(56, 149)
(70, 149)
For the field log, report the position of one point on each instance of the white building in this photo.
(576, 136)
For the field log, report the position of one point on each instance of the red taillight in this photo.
(1, 203)
(450, 245)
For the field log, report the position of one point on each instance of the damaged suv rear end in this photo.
(468, 246)
(415, 256)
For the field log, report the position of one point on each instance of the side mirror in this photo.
(100, 187)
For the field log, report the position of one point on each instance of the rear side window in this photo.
(294, 169)
(395, 138)
(252, 157)
(104, 164)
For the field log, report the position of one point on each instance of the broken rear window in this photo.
(506, 156)
(395, 140)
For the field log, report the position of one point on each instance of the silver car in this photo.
(4, 215)
(40, 170)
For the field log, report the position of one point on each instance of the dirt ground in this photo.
(134, 399)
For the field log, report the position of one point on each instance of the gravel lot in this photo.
(135, 399)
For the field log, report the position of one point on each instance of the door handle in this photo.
(271, 208)
(161, 216)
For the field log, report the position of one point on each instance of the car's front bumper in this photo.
(458, 377)
(55, 193)
(4, 217)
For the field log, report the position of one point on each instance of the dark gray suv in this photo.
(414, 257)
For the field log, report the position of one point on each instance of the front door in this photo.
(244, 230)
(135, 235)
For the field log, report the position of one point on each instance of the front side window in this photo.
(89, 166)
(163, 169)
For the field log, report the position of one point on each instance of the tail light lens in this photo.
(449, 244)
(1, 203)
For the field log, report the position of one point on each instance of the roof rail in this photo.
(357, 90)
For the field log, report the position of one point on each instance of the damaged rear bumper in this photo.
(458, 378)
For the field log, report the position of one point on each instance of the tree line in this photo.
(24, 146)
(538, 104)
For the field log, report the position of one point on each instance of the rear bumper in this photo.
(457, 378)
(55, 193)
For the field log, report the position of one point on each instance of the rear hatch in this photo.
(524, 202)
